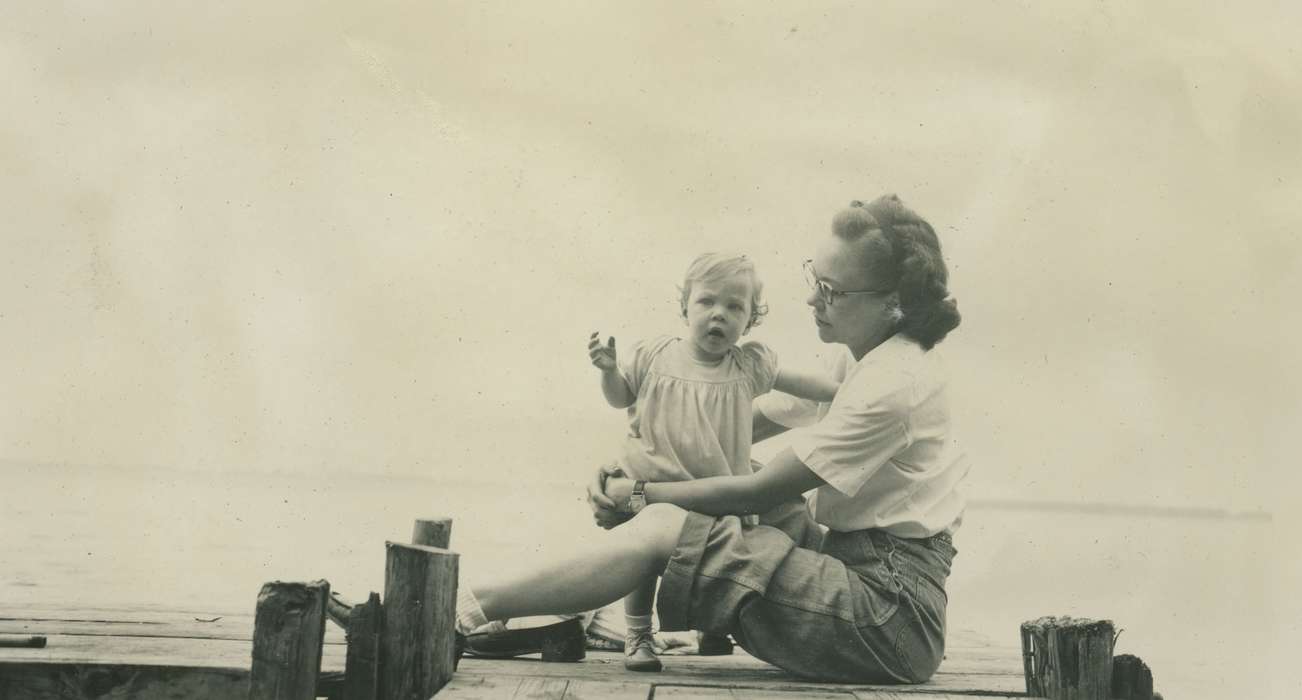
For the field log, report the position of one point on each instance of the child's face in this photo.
(717, 314)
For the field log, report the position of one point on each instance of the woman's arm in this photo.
(784, 478)
(816, 387)
(762, 427)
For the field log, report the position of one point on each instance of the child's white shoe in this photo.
(640, 650)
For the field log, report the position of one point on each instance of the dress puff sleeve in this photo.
(760, 364)
(638, 362)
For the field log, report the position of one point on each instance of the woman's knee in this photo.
(659, 524)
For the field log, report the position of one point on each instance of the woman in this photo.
(863, 602)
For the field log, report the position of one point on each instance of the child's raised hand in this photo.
(602, 355)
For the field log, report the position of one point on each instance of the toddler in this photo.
(689, 400)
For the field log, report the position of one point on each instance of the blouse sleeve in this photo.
(859, 434)
(761, 365)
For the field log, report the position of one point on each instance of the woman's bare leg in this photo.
(606, 572)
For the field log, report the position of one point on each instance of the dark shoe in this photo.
(458, 648)
(560, 642)
(710, 644)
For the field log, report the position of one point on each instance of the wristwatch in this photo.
(637, 499)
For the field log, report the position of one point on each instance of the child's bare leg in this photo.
(638, 602)
(639, 650)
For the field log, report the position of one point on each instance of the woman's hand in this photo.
(619, 489)
(605, 510)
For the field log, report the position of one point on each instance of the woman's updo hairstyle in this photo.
(906, 258)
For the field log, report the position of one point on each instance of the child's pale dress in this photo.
(692, 419)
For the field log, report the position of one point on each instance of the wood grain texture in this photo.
(362, 663)
(199, 624)
(540, 689)
(1068, 658)
(177, 647)
(416, 639)
(740, 671)
(432, 532)
(288, 630)
(607, 690)
(77, 681)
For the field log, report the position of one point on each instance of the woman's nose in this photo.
(814, 299)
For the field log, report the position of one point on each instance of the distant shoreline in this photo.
(576, 481)
(1120, 509)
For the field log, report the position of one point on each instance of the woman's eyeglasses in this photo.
(825, 292)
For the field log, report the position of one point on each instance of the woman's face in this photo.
(861, 321)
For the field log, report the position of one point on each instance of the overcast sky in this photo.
(306, 236)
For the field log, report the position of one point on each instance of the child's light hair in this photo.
(710, 267)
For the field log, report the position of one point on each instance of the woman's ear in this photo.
(894, 313)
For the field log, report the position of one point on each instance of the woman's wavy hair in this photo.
(710, 267)
(906, 258)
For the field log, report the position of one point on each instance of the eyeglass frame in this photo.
(825, 290)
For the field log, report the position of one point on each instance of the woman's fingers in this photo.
(597, 498)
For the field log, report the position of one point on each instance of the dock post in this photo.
(419, 619)
(288, 629)
(1068, 659)
(362, 663)
(1131, 678)
(432, 532)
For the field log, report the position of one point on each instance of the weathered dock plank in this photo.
(463, 687)
(42, 681)
(134, 623)
(179, 654)
(607, 690)
(746, 672)
(190, 652)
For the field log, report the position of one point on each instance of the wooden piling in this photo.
(432, 532)
(416, 637)
(338, 609)
(1068, 659)
(1131, 678)
(362, 665)
(288, 629)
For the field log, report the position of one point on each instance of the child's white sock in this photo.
(469, 613)
(637, 622)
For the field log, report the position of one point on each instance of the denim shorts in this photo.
(850, 607)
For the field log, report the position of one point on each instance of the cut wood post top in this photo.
(1066, 658)
(1055, 622)
(434, 532)
(429, 549)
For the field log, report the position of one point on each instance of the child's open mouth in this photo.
(716, 333)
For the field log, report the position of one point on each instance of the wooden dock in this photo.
(157, 653)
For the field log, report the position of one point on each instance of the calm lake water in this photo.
(1193, 594)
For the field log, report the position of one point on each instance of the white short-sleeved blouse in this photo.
(884, 444)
